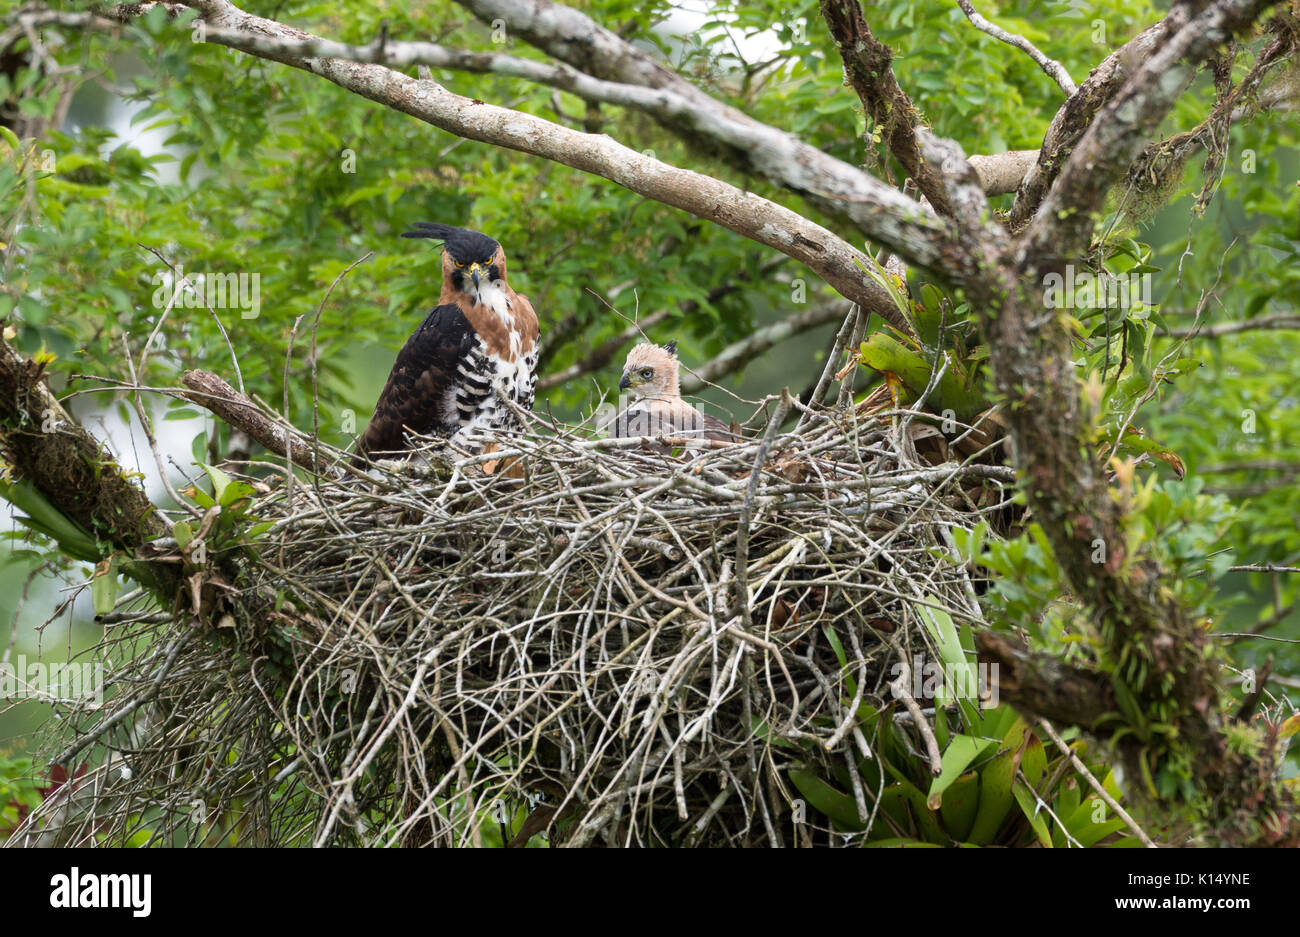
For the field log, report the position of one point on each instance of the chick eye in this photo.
(646, 372)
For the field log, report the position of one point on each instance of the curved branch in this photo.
(867, 67)
(888, 216)
(833, 186)
(736, 355)
(213, 393)
(1064, 221)
(1054, 69)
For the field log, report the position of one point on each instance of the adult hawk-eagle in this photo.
(482, 335)
(658, 409)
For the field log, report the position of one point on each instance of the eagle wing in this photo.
(421, 391)
(672, 417)
(714, 428)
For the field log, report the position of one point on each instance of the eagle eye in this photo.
(459, 264)
(488, 262)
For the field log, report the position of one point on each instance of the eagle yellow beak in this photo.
(476, 271)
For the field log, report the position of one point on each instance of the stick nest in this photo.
(599, 642)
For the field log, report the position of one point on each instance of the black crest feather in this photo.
(671, 348)
(462, 243)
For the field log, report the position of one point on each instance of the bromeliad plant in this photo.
(940, 363)
(1000, 784)
(943, 341)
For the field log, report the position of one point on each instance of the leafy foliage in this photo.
(270, 172)
(998, 785)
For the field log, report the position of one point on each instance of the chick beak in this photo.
(625, 383)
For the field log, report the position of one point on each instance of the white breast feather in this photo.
(514, 377)
(492, 294)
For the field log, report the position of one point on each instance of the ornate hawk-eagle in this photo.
(482, 335)
(658, 409)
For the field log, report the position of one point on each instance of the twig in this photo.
(1096, 785)
(1054, 69)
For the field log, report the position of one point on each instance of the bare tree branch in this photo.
(668, 105)
(735, 356)
(909, 228)
(831, 185)
(1054, 69)
(1276, 322)
(213, 393)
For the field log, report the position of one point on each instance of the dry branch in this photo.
(240, 411)
(1054, 69)
(573, 645)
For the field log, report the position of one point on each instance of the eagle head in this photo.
(651, 370)
(476, 260)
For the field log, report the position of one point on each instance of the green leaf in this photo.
(199, 447)
(835, 804)
(1085, 830)
(961, 753)
(104, 588)
(925, 817)
(220, 481)
(258, 529)
(43, 517)
(960, 806)
(1029, 807)
(234, 492)
(199, 497)
(836, 646)
(1033, 763)
(995, 798)
(940, 625)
